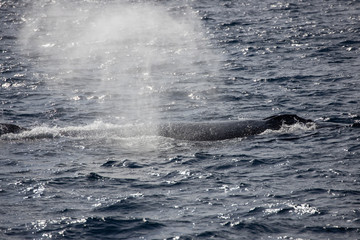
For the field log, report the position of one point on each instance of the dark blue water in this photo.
(85, 75)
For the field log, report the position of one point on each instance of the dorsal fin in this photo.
(288, 119)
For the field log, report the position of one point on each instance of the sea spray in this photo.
(118, 56)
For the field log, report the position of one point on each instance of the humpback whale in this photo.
(206, 131)
(213, 131)
(10, 128)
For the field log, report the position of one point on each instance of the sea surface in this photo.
(85, 75)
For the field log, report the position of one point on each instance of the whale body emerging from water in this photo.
(213, 131)
(206, 131)
(6, 128)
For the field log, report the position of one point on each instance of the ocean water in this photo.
(85, 75)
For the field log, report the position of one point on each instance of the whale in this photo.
(205, 131)
(214, 131)
(6, 128)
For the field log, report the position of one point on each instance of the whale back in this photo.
(10, 128)
(275, 122)
(211, 131)
(207, 131)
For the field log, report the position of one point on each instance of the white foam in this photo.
(299, 209)
(97, 129)
(297, 127)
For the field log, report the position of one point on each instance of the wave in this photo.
(94, 227)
